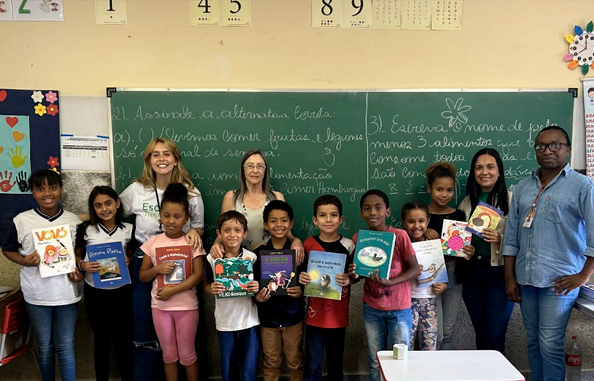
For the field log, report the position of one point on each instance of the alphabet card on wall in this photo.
(5, 10)
(326, 13)
(54, 246)
(15, 147)
(37, 10)
(416, 14)
(386, 14)
(446, 15)
(236, 12)
(205, 12)
(356, 14)
(110, 12)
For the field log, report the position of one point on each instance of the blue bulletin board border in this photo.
(42, 107)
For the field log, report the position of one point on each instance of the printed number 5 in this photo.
(22, 9)
(238, 6)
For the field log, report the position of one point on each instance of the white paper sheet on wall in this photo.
(87, 153)
(416, 14)
(446, 15)
(386, 14)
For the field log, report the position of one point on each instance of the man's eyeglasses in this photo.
(251, 167)
(552, 147)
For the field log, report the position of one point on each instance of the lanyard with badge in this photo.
(532, 211)
(159, 207)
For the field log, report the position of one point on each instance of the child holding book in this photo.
(327, 320)
(113, 323)
(236, 319)
(386, 302)
(281, 317)
(174, 307)
(441, 183)
(51, 302)
(415, 217)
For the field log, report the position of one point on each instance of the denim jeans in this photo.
(239, 354)
(148, 359)
(54, 330)
(450, 306)
(545, 316)
(316, 341)
(384, 329)
(487, 303)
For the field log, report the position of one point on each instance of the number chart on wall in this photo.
(340, 143)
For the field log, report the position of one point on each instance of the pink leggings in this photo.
(176, 331)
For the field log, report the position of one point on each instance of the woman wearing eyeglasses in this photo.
(483, 276)
(253, 194)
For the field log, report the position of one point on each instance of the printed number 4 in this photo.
(204, 4)
(22, 9)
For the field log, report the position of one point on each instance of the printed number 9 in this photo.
(359, 7)
(327, 8)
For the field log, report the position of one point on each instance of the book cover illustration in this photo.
(374, 252)
(54, 246)
(454, 237)
(322, 268)
(234, 274)
(277, 270)
(431, 263)
(484, 216)
(181, 257)
(112, 258)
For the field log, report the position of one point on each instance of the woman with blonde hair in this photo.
(162, 166)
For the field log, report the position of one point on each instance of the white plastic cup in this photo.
(400, 351)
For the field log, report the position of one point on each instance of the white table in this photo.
(584, 305)
(448, 366)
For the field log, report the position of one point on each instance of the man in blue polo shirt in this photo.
(549, 250)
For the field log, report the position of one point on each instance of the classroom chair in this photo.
(15, 316)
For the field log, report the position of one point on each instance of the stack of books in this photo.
(587, 291)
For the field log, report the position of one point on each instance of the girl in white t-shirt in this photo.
(161, 166)
(174, 305)
(114, 323)
(415, 218)
(51, 302)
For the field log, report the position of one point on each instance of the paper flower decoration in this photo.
(51, 97)
(53, 162)
(581, 48)
(37, 97)
(40, 109)
(52, 110)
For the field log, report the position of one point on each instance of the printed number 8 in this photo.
(327, 8)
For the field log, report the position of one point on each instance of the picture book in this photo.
(484, 216)
(431, 263)
(234, 274)
(277, 270)
(454, 237)
(322, 268)
(112, 258)
(54, 246)
(374, 252)
(181, 257)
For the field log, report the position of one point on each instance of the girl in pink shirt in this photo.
(174, 305)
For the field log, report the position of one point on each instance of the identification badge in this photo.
(529, 217)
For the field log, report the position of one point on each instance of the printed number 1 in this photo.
(204, 4)
(111, 7)
(22, 9)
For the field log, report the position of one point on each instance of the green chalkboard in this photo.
(341, 143)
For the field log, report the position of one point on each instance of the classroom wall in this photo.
(503, 44)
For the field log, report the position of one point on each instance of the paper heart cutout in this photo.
(12, 121)
(17, 136)
(3, 95)
(1, 150)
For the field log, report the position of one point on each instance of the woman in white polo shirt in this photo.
(162, 166)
